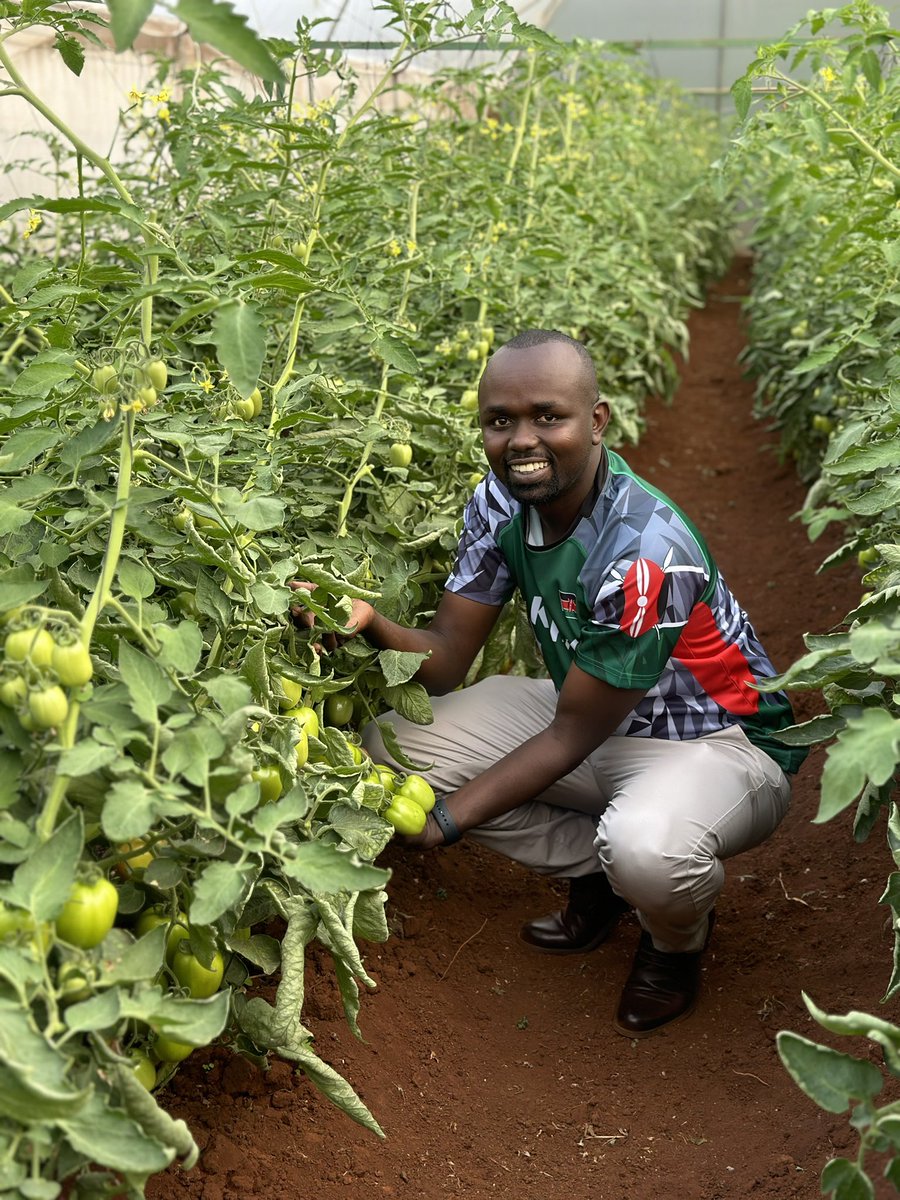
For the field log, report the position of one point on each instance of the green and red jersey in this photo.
(633, 597)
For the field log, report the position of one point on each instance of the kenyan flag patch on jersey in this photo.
(568, 604)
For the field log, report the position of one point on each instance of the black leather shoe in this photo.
(661, 989)
(587, 920)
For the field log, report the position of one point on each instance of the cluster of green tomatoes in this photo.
(130, 386)
(39, 667)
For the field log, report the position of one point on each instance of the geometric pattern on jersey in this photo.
(631, 596)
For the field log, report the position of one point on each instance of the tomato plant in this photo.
(71, 662)
(419, 790)
(338, 709)
(200, 981)
(405, 815)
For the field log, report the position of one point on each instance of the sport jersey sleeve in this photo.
(642, 604)
(481, 571)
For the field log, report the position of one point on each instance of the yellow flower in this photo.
(161, 96)
(207, 385)
(134, 95)
(411, 247)
(163, 112)
(829, 75)
(393, 248)
(34, 223)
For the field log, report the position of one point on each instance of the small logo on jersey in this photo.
(642, 590)
(568, 604)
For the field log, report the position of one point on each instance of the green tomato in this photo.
(185, 603)
(34, 644)
(243, 408)
(301, 749)
(483, 347)
(384, 776)
(147, 397)
(269, 780)
(13, 691)
(88, 914)
(417, 789)
(13, 921)
(338, 709)
(190, 972)
(307, 718)
(257, 401)
(822, 423)
(158, 915)
(867, 557)
(144, 1069)
(72, 664)
(469, 400)
(401, 454)
(169, 1051)
(48, 707)
(474, 479)
(405, 815)
(157, 374)
(72, 984)
(105, 379)
(293, 693)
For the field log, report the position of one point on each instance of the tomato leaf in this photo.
(217, 24)
(832, 1079)
(221, 886)
(396, 354)
(323, 868)
(126, 17)
(410, 700)
(107, 1136)
(42, 883)
(146, 683)
(240, 343)
(399, 666)
(180, 647)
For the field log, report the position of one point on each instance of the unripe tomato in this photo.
(307, 719)
(72, 664)
(472, 354)
(469, 399)
(401, 454)
(488, 334)
(243, 408)
(405, 815)
(355, 753)
(88, 914)
(417, 789)
(157, 374)
(385, 776)
(158, 915)
(181, 519)
(190, 972)
(822, 424)
(474, 479)
(135, 862)
(13, 691)
(338, 709)
(483, 347)
(301, 749)
(257, 401)
(298, 248)
(293, 693)
(35, 644)
(13, 921)
(169, 1051)
(147, 397)
(48, 707)
(72, 984)
(185, 603)
(144, 1070)
(867, 557)
(105, 379)
(269, 780)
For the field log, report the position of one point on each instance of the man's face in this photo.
(541, 435)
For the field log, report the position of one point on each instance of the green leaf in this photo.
(147, 686)
(742, 94)
(220, 887)
(229, 692)
(399, 666)
(135, 579)
(180, 646)
(361, 828)
(819, 358)
(126, 17)
(25, 446)
(136, 961)
(71, 52)
(869, 748)
(396, 354)
(216, 23)
(258, 513)
(369, 919)
(809, 733)
(255, 669)
(100, 1012)
(323, 868)
(107, 1136)
(240, 343)
(410, 700)
(43, 373)
(213, 602)
(832, 1079)
(85, 758)
(42, 883)
(847, 1180)
(128, 810)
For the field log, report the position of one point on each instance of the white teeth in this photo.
(527, 468)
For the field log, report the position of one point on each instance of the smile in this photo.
(527, 468)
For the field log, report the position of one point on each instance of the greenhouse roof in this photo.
(704, 44)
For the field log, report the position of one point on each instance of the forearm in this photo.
(441, 672)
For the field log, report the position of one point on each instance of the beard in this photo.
(535, 493)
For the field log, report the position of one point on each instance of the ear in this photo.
(599, 421)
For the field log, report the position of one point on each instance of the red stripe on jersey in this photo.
(642, 586)
(719, 668)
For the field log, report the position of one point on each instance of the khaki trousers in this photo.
(658, 816)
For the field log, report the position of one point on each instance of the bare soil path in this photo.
(494, 1070)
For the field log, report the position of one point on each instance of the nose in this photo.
(523, 437)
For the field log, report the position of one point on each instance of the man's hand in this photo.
(361, 615)
(430, 837)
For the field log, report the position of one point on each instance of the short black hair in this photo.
(537, 337)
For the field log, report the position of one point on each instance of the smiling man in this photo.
(648, 756)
